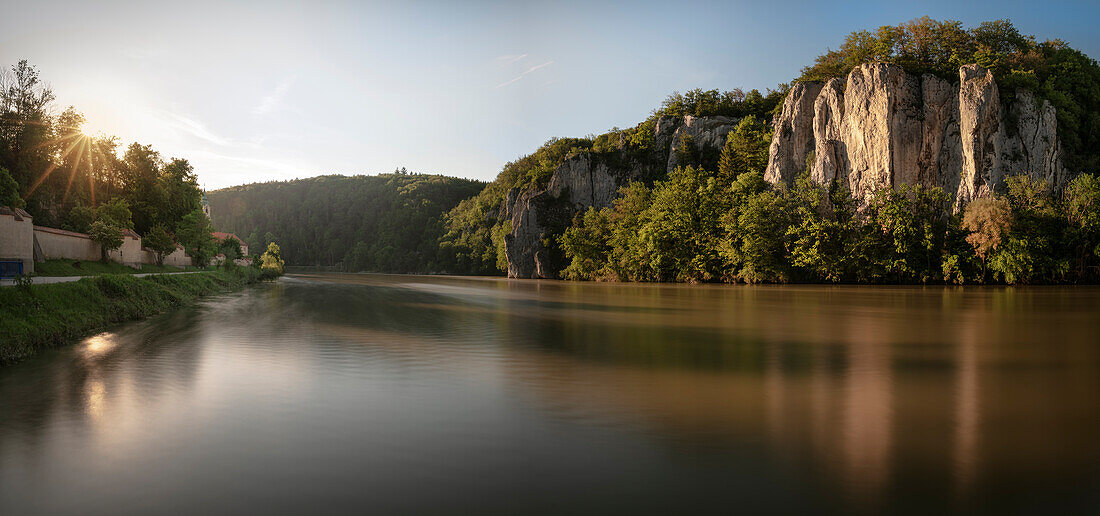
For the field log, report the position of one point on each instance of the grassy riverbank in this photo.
(37, 317)
(76, 268)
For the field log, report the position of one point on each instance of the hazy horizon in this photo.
(250, 94)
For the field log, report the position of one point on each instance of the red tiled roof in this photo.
(222, 236)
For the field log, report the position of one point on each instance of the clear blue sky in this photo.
(254, 91)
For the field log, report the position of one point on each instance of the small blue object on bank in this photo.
(11, 269)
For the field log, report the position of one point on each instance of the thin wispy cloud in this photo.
(524, 74)
(273, 100)
(194, 128)
(508, 59)
(263, 164)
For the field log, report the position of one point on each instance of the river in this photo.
(405, 394)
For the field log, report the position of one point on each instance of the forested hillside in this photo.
(384, 223)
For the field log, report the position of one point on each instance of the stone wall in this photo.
(176, 259)
(130, 252)
(59, 244)
(17, 237)
(21, 240)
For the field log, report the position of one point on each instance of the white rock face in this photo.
(794, 136)
(830, 155)
(886, 128)
(584, 182)
(940, 161)
(980, 130)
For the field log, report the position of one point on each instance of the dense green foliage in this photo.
(384, 223)
(231, 248)
(1066, 77)
(64, 177)
(37, 317)
(735, 103)
(160, 242)
(695, 227)
(108, 236)
(194, 234)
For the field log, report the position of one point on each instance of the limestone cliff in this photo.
(589, 179)
(886, 127)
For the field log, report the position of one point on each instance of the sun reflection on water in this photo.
(99, 345)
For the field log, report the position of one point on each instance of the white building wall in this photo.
(17, 239)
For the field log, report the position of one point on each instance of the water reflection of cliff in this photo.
(890, 393)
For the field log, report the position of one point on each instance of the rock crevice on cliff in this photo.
(885, 127)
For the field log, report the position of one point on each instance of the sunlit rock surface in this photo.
(885, 127)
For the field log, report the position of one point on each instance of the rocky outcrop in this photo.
(830, 155)
(884, 127)
(537, 217)
(706, 133)
(794, 137)
(587, 180)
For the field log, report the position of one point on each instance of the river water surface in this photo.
(402, 394)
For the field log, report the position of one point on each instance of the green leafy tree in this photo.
(160, 242)
(745, 150)
(823, 233)
(115, 212)
(179, 187)
(195, 235)
(629, 257)
(683, 226)
(586, 245)
(141, 166)
(9, 190)
(107, 235)
(230, 247)
(80, 218)
(1082, 212)
(763, 222)
(909, 228)
(747, 186)
(1031, 249)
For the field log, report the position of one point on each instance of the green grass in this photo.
(76, 268)
(38, 317)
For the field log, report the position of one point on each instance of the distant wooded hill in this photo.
(384, 223)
